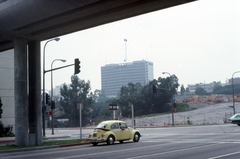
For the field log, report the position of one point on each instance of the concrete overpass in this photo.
(25, 23)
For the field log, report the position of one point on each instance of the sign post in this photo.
(173, 103)
(113, 107)
(80, 107)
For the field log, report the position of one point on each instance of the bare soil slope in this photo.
(204, 114)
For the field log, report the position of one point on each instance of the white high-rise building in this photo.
(7, 87)
(114, 76)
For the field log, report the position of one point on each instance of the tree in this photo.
(99, 96)
(166, 90)
(200, 91)
(129, 95)
(143, 98)
(182, 90)
(78, 92)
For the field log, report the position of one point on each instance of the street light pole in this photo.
(133, 125)
(172, 103)
(233, 92)
(52, 97)
(43, 101)
(125, 60)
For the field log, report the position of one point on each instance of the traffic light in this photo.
(49, 113)
(47, 99)
(76, 66)
(154, 89)
(53, 105)
(174, 105)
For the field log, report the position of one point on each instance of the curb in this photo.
(44, 147)
(76, 144)
(29, 149)
(6, 141)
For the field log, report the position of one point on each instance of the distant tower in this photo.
(125, 40)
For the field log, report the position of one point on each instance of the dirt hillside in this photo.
(204, 114)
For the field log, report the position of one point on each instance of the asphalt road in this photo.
(191, 142)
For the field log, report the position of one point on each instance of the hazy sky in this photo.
(198, 42)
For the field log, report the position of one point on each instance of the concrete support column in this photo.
(35, 108)
(20, 92)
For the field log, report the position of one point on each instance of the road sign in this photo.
(113, 107)
(172, 100)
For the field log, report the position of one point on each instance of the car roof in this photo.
(112, 121)
(233, 116)
(236, 114)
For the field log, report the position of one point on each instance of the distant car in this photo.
(113, 130)
(235, 119)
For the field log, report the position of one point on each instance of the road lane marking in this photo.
(230, 154)
(77, 156)
(108, 152)
(161, 153)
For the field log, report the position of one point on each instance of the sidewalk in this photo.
(6, 140)
(11, 140)
(59, 134)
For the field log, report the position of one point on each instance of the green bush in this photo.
(6, 131)
(1, 125)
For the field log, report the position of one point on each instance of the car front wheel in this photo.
(110, 140)
(136, 137)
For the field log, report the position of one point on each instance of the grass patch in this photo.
(45, 143)
(10, 147)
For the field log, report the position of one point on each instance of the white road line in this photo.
(108, 152)
(82, 155)
(230, 154)
(147, 156)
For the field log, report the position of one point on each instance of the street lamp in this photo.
(166, 73)
(125, 60)
(172, 103)
(44, 71)
(52, 98)
(233, 92)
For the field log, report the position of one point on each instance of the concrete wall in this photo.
(7, 86)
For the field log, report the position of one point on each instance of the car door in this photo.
(124, 131)
(116, 131)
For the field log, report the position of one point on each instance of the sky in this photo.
(199, 42)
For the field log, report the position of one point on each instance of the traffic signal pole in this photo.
(44, 98)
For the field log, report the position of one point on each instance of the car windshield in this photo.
(237, 116)
(101, 126)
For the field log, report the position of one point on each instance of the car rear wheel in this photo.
(136, 137)
(94, 143)
(110, 140)
(238, 124)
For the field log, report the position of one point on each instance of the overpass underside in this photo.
(25, 23)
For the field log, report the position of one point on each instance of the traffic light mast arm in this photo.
(58, 68)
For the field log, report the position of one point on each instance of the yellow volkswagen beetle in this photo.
(113, 130)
